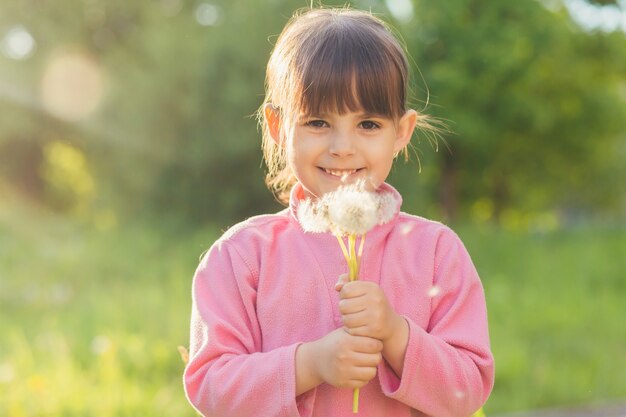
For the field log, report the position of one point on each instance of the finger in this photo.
(362, 331)
(343, 279)
(363, 373)
(357, 319)
(354, 289)
(365, 344)
(355, 383)
(360, 359)
(352, 305)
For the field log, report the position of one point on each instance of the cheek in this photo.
(292, 160)
(297, 158)
(382, 166)
(302, 150)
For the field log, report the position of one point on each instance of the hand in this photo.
(344, 360)
(366, 311)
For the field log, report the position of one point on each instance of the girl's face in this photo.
(327, 150)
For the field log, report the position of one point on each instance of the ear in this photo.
(404, 132)
(272, 117)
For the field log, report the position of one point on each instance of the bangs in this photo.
(349, 71)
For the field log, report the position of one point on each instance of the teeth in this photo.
(340, 173)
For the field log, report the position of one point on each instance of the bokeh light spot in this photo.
(100, 345)
(18, 43)
(208, 14)
(401, 10)
(7, 373)
(72, 86)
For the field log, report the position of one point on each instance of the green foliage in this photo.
(88, 330)
(197, 129)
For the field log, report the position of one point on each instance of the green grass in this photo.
(556, 312)
(90, 321)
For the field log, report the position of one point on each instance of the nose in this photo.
(341, 144)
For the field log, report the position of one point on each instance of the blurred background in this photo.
(128, 143)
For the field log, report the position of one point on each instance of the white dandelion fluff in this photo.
(459, 394)
(313, 216)
(353, 211)
(434, 291)
(349, 210)
(406, 228)
(386, 207)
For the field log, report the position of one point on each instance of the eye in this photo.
(369, 125)
(316, 123)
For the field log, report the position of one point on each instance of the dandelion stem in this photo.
(352, 260)
(343, 248)
(361, 245)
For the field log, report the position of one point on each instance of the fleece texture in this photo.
(267, 286)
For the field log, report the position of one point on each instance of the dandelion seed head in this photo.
(352, 209)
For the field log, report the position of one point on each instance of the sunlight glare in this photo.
(591, 17)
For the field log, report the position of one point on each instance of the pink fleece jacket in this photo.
(266, 286)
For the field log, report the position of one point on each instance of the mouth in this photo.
(341, 174)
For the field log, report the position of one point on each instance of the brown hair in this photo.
(330, 60)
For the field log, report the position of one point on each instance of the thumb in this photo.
(343, 279)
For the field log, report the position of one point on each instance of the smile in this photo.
(340, 173)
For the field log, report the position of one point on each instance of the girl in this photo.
(275, 328)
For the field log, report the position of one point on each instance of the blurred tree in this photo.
(194, 115)
(534, 101)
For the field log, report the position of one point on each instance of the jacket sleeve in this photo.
(227, 373)
(448, 367)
